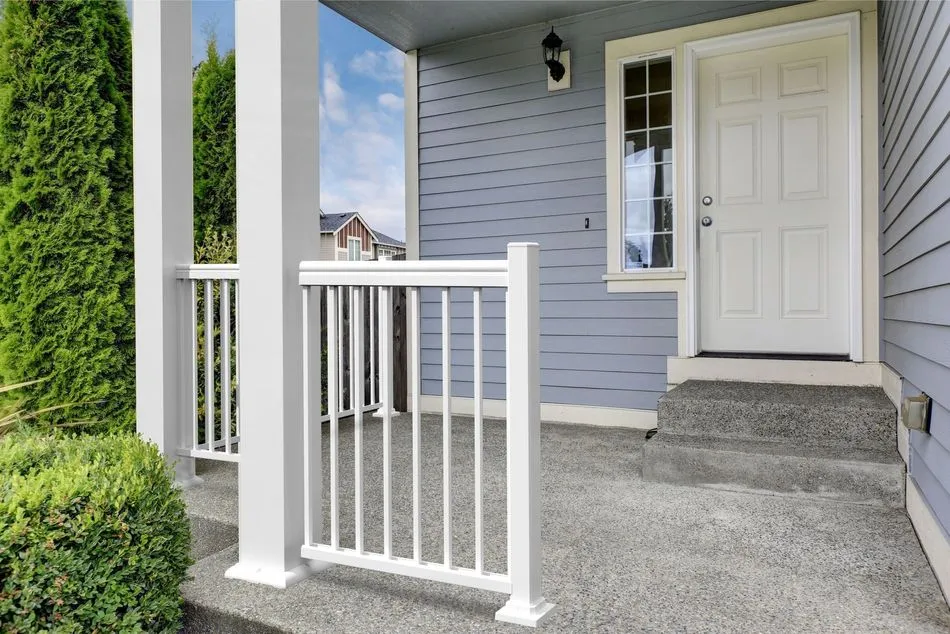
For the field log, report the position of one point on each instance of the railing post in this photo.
(526, 606)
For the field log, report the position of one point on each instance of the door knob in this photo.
(706, 221)
(707, 200)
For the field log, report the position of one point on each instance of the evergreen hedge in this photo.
(215, 172)
(66, 261)
(93, 536)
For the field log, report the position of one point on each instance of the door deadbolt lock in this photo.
(706, 221)
(707, 200)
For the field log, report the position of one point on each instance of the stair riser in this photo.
(203, 620)
(210, 536)
(870, 428)
(867, 483)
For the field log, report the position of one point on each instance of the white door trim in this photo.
(844, 24)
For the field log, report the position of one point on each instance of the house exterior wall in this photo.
(327, 247)
(915, 227)
(500, 160)
(386, 250)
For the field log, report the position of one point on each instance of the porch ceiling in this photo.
(413, 24)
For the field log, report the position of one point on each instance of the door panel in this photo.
(774, 262)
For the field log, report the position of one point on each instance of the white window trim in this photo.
(349, 246)
(618, 280)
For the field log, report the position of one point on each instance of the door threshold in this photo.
(774, 357)
(795, 369)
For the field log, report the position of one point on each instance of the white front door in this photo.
(774, 194)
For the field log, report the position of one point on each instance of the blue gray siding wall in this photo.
(915, 223)
(500, 160)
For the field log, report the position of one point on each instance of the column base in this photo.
(189, 482)
(272, 577)
(520, 613)
(380, 413)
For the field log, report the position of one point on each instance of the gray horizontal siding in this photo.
(501, 160)
(915, 223)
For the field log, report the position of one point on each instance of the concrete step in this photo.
(858, 417)
(863, 476)
(209, 536)
(212, 507)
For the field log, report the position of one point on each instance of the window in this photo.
(354, 249)
(647, 180)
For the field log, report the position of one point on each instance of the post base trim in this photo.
(274, 577)
(185, 483)
(519, 613)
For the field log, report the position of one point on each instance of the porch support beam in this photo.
(162, 172)
(278, 225)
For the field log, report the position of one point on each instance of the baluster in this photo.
(193, 287)
(342, 373)
(372, 345)
(305, 324)
(352, 360)
(315, 418)
(334, 389)
(447, 427)
(386, 387)
(356, 317)
(416, 387)
(225, 341)
(237, 365)
(477, 363)
(209, 367)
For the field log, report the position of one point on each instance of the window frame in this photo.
(674, 159)
(350, 240)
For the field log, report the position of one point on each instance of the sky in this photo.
(361, 114)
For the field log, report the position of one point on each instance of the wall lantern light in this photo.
(551, 45)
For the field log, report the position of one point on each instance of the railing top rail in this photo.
(441, 273)
(207, 272)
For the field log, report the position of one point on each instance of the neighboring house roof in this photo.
(331, 223)
(382, 238)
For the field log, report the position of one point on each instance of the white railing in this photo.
(519, 276)
(214, 426)
(210, 300)
(355, 336)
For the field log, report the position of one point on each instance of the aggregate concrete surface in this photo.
(619, 554)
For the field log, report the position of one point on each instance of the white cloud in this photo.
(390, 101)
(332, 97)
(380, 65)
(362, 160)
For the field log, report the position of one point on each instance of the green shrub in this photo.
(66, 262)
(93, 536)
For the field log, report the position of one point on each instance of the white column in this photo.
(523, 386)
(162, 171)
(278, 226)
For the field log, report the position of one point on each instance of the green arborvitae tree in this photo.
(214, 148)
(66, 261)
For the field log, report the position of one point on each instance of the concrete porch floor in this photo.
(620, 554)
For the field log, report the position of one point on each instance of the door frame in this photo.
(848, 24)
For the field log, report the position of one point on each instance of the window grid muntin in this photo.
(646, 60)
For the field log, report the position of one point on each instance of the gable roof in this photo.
(383, 239)
(331, 223)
